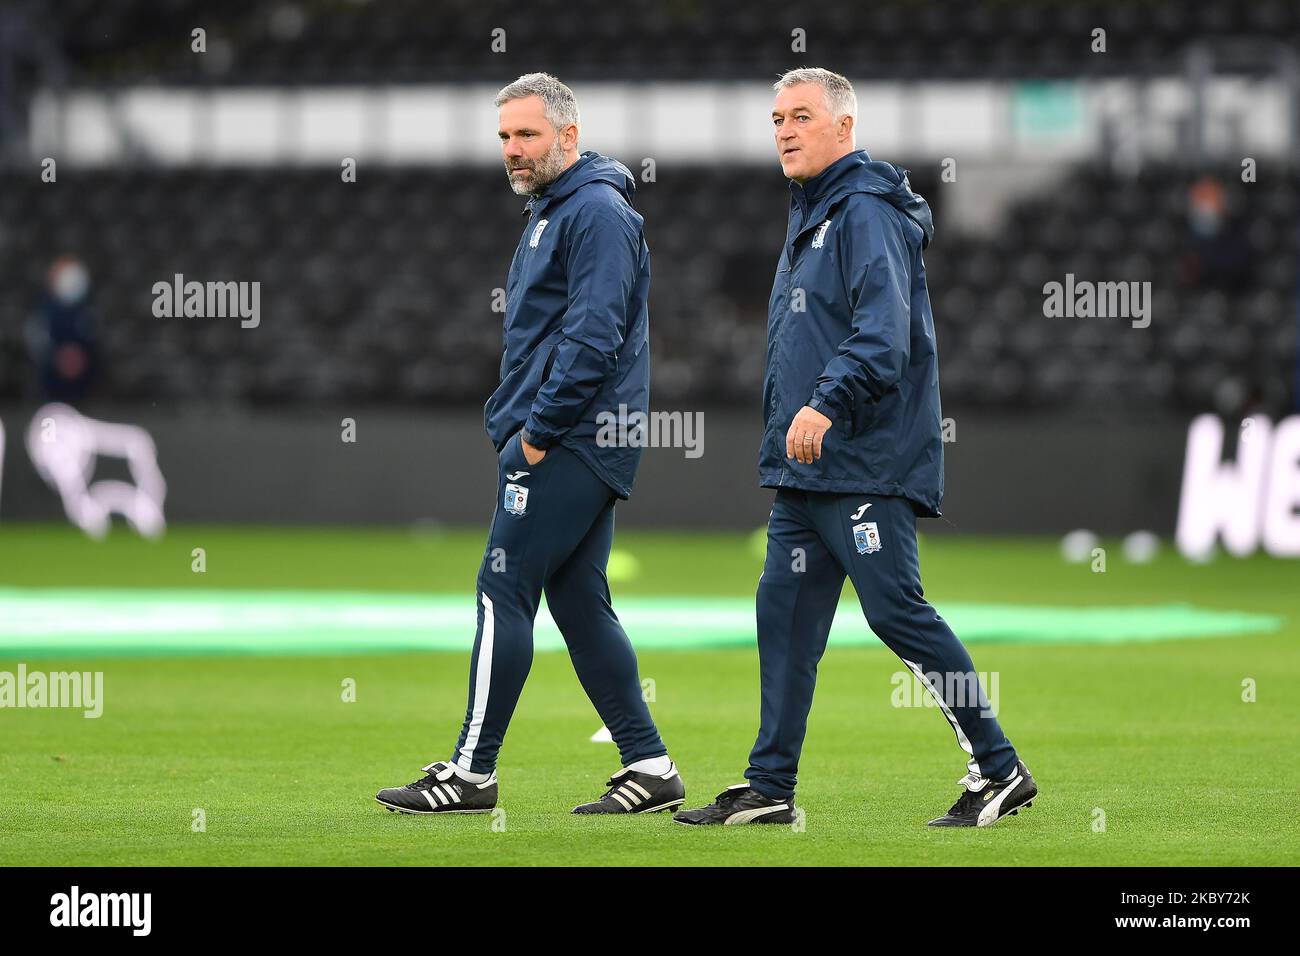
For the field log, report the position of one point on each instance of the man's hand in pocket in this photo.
(532, 455)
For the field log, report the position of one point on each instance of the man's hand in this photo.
(803, 442)
(532, 455)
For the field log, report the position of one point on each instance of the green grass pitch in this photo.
(1151, 738)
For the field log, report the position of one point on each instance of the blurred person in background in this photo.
(61, 334)
(1219, 255)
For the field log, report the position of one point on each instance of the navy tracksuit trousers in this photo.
(814, 539)
(551, 531)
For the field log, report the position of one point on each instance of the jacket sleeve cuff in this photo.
(827, 406)
(534, 440)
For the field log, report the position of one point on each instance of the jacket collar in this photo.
(828, 185)
(560, 187)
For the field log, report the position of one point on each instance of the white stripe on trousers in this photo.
(972, 765)
(482, 681)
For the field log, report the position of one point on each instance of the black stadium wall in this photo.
(1005, 474)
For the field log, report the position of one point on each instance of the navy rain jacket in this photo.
(577, 321)
(850, 333)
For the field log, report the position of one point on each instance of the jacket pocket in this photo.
(845, 425)
(509, 406)
(863, 414)
(523, 381)
(512, 458)
(868, 414)
(547, 362)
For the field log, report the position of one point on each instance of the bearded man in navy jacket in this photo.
(853, 447)
(576, 350)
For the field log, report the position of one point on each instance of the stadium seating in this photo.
(331, 41)
(381, 290)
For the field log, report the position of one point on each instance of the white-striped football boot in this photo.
(631, 791)
(441, 792)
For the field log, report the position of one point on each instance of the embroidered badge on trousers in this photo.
(516, 501)
(866, 537)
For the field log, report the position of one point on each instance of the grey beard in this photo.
(545, 171)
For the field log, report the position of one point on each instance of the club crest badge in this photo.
(516, 501)
(866, 537)
(537, 233)
(819, 237)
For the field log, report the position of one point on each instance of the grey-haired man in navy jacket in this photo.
(854, 449)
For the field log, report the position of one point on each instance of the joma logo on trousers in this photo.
(208, 300)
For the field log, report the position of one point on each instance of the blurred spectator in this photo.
(61, 333)
(1219, 257)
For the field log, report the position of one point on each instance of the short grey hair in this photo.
(560, 104)
(840, 98)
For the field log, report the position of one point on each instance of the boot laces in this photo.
(436, 773)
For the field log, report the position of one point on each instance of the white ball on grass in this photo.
(1140, 547)
(1076, 547)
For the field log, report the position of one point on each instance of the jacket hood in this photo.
(592, 167)
(859, 173)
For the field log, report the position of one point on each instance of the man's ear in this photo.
(846, 128)
(569, 137)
